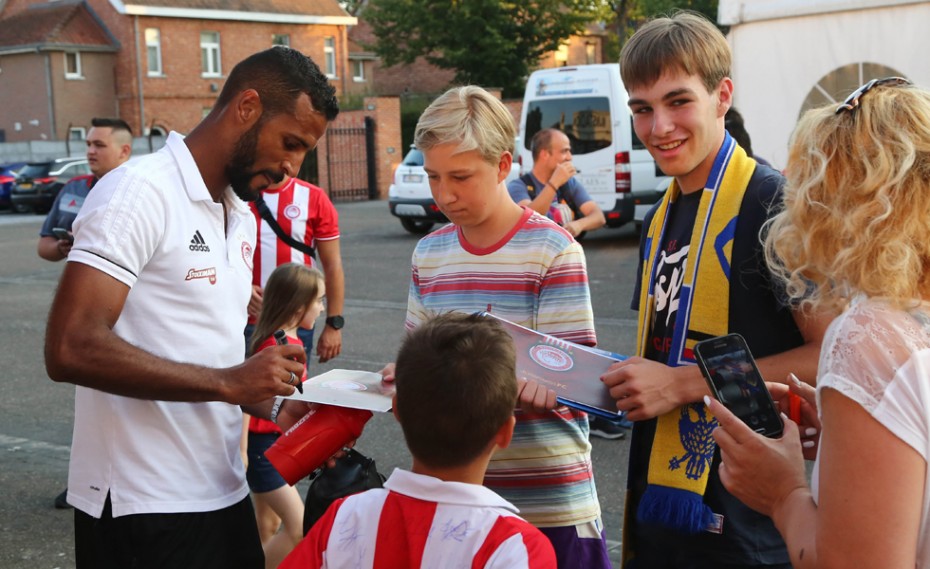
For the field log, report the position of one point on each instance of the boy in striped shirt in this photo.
(506, 259)
(456, 389)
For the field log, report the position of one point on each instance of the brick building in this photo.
(158, 64)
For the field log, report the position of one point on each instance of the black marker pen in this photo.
(280, 338)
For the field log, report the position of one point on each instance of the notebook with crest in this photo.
(573, 371)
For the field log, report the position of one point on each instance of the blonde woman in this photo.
(855, 236)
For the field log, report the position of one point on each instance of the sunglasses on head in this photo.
(852, 101)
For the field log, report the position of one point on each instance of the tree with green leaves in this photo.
(493, 43)
(624, 16)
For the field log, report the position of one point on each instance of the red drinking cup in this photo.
(313, 439)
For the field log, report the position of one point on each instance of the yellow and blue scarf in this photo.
(682, 449)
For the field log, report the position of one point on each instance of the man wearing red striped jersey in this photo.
(304, 212)
(439, 514)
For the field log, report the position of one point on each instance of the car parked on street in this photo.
(410, 198)
(37, 184)
(7, 176)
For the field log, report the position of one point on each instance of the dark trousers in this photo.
(226, 538)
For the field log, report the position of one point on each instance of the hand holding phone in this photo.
(63, 234)
(735, 380)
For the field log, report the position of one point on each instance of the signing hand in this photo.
(266, 374)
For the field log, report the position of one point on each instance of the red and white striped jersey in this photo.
(421, 521)
(303, 211)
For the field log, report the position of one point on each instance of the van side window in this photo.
(585, 120)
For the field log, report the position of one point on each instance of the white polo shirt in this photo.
(154, 226)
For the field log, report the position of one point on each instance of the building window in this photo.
(561, 55)
(329, 54)
(358, 70)
(153, 51)
(77, 133)
(281, 39)
(210, 53)
(590, 53)
(73, 65)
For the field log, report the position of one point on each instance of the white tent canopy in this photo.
(789, 55)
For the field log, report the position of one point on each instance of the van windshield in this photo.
(585, 120)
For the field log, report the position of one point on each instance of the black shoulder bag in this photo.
(352, 474)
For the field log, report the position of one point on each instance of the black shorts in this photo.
(200, 540)
(261, 474)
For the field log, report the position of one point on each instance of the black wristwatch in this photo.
(336, 322)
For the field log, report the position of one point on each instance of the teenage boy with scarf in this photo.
(702, 274)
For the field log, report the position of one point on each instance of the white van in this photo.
(589, 104)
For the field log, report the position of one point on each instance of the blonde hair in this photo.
(685, 41)
(471, 118)
(856, 217)
(290, 289)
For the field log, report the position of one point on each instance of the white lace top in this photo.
(879, 356)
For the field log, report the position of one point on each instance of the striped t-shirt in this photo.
(536, 277)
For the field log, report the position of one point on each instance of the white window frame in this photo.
(77, 133)
(358, 70)
(77, 73)
(329, 56)
(153, 46)
(210, 55)
(281, 39)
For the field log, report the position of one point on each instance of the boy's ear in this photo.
(503, 166)
(505, 433)
(394, 407)
(724, 96)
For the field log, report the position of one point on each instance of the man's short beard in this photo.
(239, 169)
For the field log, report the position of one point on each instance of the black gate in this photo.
(350, 163)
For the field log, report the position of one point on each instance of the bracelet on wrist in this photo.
(275, 409)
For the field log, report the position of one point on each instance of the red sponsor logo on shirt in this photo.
(209, 274)
(247, 254)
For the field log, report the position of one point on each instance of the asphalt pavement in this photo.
(36, 414)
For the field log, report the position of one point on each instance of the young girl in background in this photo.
(293, 297)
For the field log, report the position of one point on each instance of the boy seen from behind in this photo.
(456, 390)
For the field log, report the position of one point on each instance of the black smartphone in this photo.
(62, 233)
(735, 381)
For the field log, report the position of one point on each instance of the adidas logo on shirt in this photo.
(198, 244)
